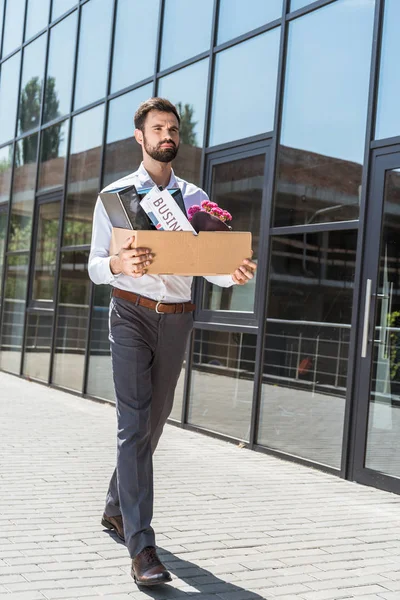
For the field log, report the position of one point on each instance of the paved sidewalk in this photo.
(232, 524)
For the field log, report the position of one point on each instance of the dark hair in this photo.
(161, 104)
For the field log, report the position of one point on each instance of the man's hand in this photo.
(245, 272)
(130, 261)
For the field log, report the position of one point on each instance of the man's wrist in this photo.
(115, 266)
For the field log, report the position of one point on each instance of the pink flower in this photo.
(226, 215)
(193, 210)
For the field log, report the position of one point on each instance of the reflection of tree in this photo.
(29, 117)
(187, 132)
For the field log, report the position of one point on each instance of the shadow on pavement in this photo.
(202, 583)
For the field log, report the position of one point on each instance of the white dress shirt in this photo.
(165, 288)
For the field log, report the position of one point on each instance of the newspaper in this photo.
(164, 212)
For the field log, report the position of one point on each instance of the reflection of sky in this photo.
(61, 6)
(189, 86)
(9, 96)
(121, 113)
(87, 130)
(134, 46)
(94, 44)
(13, 25)
(296, 4)
(33, 61)
(37, 17)
(61, 59)
(239, 16)
(245, 89)
(388, 114)
(186, 30)
(326, 89)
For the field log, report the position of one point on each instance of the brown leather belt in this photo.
(159, 307)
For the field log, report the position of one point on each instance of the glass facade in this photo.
(281, 125)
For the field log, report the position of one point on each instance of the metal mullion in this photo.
(101, 174)
(78, 248)
(248, 35)
(57, 278)
(12, 176)
(237, 145)
(16, 252)
(383, 143)
(187, 379)
(228, 327)
(307, 9)
(353, 400)
(2, 27)
(196, 289)
(161, 13)
(261, 298)
(315, 227)
(34, 233)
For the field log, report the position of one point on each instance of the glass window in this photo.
(249, 113)
(31, 85)
(237, 17)
(5, 183)
(9, 80)
(388, 118)
(186, 30)
(71, 328)
(94, 48)
(23, 193)
(57, 98)
(321, 153)
(123, 154)
(83, 176)
(187, 89)
(37, 17)
(13, 26)
(46, 251)
(307, 344)
(126, 71)
(52, 156)
(296, 4)
(12, 327)
(237, 187)
(60, 7)
(383, 452)
(39, 329)
(222, 380)
(100, 377)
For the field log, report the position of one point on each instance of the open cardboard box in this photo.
(183, 253)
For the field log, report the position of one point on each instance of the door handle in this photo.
(366, 318)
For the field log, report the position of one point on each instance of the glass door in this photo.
(377, 450)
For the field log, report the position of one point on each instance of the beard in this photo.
(164, 155)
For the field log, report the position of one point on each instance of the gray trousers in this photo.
(147, 352)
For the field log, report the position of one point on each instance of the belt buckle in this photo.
(159, 312)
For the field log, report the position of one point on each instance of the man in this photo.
(150, 320)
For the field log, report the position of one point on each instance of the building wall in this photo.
(281, 102)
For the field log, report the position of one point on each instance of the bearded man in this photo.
(151, 317)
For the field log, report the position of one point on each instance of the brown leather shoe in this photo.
(114, 523)
(147, 568)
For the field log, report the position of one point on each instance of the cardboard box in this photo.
(184, 253)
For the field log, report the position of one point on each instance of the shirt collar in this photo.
(146, 181)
